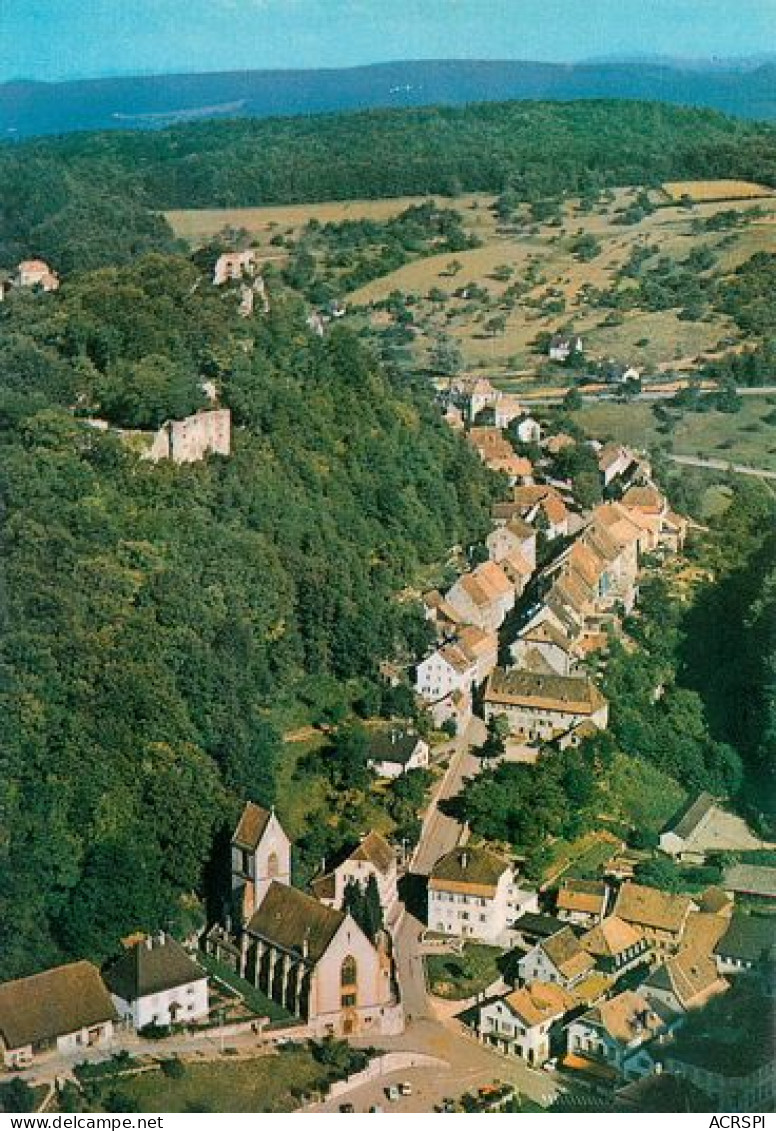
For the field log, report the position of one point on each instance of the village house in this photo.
(647, 505)
(521, 1022)
(686, 981)
(541, 707)
(542, 506)
(533, 927)
(582, 902)
(497, 453)
(514, 536)
(507, 409)
(446, 670)
(661, 916)
(318, 964)
(66, 1008)
(557, 442)
(615, 946)
(545, 649)
(36, 273)
(472, 893)
(748, 941)
(528, 430)
(561, 346)
(560, 959)
(611, 1031)
(718, 1071)
(613, 461)
(372, 856)
(484, 597)
(191, 439)
(473, 395)
(755, 881)
(392, 752)
(677, 837)
(441, 613)
(261, 853)
(155, 982)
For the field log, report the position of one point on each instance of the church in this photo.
(312, 959)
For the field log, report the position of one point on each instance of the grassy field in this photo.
(746, 437)
(456, 977)
(581, 858)
(715, 190)
(268, 1083)
(654, 341)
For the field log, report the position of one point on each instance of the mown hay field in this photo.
(716, 190)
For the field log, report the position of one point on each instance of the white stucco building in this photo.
(155, 982)
(472, 893)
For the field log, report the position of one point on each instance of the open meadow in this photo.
(528, 278)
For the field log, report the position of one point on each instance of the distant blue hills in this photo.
(29, 109)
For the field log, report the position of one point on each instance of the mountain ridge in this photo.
(30, 108)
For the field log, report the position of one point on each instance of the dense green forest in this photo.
(84, 200)
(156, 619)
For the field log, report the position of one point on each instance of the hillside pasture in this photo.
(716, 190)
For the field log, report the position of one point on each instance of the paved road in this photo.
(471, 1065)
(442, 833)
(721, 465)
(650, 396)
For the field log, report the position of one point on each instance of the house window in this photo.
(273, 865)
(348, 1001)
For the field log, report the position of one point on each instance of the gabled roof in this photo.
(521, 529)
(702, 931)
(475, 870)
(392, 744)
(295, 922)
(585, 896)
(522, 688)
(625, 1017)
(748, 938)
(647, 499)
(648, 907)
(543, 495)
(714, 900)
(538, 926)
(539, 1002)
(690, 816)
(151, 967)
(690, 977)
(251, 826)
(487, 583)
(565, 952)
(475, 642)
(53, 1004)
(374, 849)
(456, 658)
(610, 937)
(516, 562)
(751, 879)
(547, 633)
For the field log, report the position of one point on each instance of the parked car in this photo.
(392, 1092)
(347, 1109)
(405, 1088)
(376, 1107)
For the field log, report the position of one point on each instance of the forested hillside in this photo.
(92, 192)
(155, 618)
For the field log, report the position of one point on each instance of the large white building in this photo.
(155, 982)
(519, 1024)
(373, 856)
(472, 893)
(540, 707)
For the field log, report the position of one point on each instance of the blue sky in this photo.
(56, 39)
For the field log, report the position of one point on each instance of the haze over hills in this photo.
(746, 88)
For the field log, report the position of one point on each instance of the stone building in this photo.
(318, 964)
(191, 439)
(261, 853)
